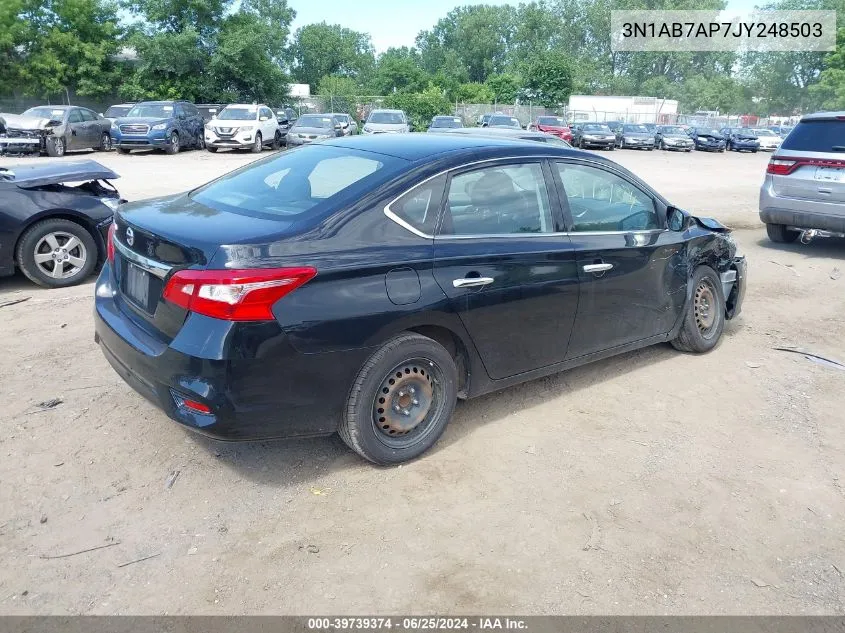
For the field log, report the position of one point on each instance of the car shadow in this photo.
(820, 247)
(285, 463)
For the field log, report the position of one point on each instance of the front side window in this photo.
(420, 205)
(500, 200)
(75, 116)
(602, 201)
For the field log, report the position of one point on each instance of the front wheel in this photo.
(122, 150)
(105, 143)
(277, 142)
(56, 147)
(401, 400)
(258, 145)
(705, 318)
(56, 253)
(211, 149)
(172, 146)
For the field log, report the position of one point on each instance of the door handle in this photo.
(472, 282)
(597, 268)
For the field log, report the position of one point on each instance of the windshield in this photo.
(46, 113)
(635, 129)
(551, 120)
(706, 132)
(595, 127)
(151, 110)
(238, 114)
(764, 133)
(507, 121)
(292, 183)
(744, 131)
(115, 112)
(673, 129)
(396, 118)
(447, 121)
(816, 135)
(310, 120)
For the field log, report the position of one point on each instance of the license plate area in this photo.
(830, 174)
(136, 287)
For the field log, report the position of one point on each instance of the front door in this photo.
(507, 270)
(76, 135)
(631, 268)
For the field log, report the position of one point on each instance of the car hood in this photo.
(677, 136)
(745, 137)
(716, 137)
(311, 130)
(41, 174)
(637, 134)
(597, 133)
(232, 122)
(552, 128)
(21, 122)
(148, 120)
(386, 127)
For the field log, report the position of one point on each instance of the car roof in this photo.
(56, 107)
(239, 105)
(121, 105)
(414, 147)
(823, 116)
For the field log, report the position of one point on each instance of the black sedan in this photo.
(586, 135)
(707, 139)
(55, 232)
(364, 284)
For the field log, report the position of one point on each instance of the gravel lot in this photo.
(651, 483)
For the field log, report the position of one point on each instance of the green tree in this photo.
(549, 79)
(474, 93)
(178, 16)
(420, 107)
(398, 69)
(505, 87)
(829, 92)
(340, 94)
(329, 49)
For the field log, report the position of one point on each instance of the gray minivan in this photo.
(804, 190)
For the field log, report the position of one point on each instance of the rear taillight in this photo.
(235, 295)
(785, 166)
(780, 167)
(110, 241)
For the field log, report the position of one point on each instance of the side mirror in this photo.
(677, 219)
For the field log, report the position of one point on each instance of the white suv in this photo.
(243, 126)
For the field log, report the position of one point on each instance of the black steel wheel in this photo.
(401, 400)
(704, 320)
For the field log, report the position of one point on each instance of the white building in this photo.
(299, 90)
(627, 109)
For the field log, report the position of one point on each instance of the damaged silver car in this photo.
(53, 130)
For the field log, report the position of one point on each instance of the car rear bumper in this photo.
(255, 383)
(800, 213)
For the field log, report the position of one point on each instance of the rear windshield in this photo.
(508, 121)
(117, 111)
(447, 121)
(153, 110)
(816, 136)
(295, 182)
(672, 129)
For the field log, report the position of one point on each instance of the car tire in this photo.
(780, 234)
(105, 143)
(172, 143)
(213, 150)
(704, 320)
(277, 142)
(200, 144)
(409, 375)
(257, 144)
(122, 150)
(56, 147)
(37, 239)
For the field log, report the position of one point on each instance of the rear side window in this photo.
(75, 116)
(420, 205)
(294, 183)
(816, 136)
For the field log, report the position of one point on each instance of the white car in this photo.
(387, 122)
(243, 126)
(769, 141)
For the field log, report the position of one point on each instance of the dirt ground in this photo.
(651, 483)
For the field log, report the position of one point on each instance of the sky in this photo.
(397, 22)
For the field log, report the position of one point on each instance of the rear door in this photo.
(630, 267)
(818, 146)
(92, 128)
(508, 271)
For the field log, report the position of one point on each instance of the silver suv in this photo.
(804, 190)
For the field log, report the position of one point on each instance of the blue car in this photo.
(167, 125)
(741, 139)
